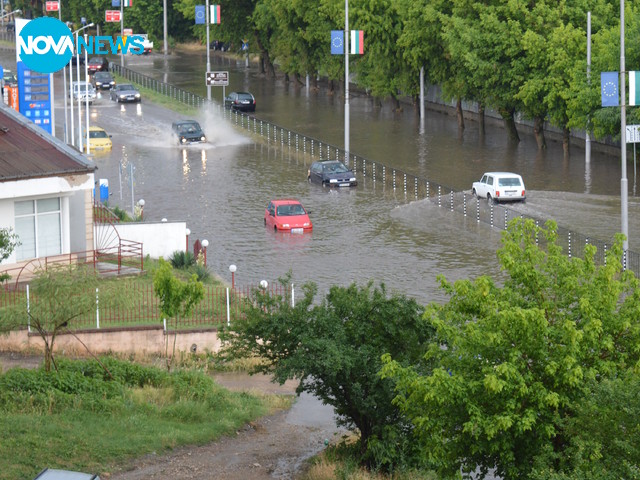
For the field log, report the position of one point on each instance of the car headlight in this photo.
(352, 179)
(333, 180)
(123, 96)
(306, 224)
(137, 95)
(285, 225)
(203, 138)
(183, 140)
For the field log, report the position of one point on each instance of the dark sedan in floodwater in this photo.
(125, 92)
(188, 131)
(242, 101)
(331, 173)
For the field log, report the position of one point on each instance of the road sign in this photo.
(633, 133)
(218, 78)
(52, 6)
(112, 15)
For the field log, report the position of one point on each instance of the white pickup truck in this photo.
(146, 43)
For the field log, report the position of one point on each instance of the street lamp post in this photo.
(141, 204)
(76, 32)
(232, 269)
(205, 244)
(86, 78)
(187, 233)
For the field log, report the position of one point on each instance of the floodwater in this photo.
(362, 234)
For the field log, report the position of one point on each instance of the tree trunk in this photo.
(510, 124)
(286, 78)
(566, 141)
(538, 132)
(481, 119)
(460, 114)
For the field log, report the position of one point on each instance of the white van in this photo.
(80, 91)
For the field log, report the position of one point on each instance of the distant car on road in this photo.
(287, 216)
(81, 90)
(331, 173)
(188, 131)
(242, 101)
(97, 64)
(125, 92)
(99, 140)
(500, 187)
(103, 81)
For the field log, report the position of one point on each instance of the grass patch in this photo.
(77, 418)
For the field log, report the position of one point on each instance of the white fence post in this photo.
(293, 296)
(28, 310)
(97, 310)
(228, 310)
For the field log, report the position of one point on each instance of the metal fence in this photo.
(220, 306)
(402, 184)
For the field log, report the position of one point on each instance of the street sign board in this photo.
(112, 15)
(52, 6)
(633, 133)
(218, 78)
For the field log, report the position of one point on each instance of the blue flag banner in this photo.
(200, 14)
(115, 3)
(337, 42)
(609, 89)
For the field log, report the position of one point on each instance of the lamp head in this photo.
(232, 268)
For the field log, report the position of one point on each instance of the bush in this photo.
(182, 260)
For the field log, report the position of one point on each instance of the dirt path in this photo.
(276, 446)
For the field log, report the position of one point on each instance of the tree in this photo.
(58, 296)
(8, 242)
(177, 299)
(512, 363)
(335, 350)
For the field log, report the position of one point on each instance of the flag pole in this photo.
(624, 189)
(121, 33)
(346, 81)
(206, 16)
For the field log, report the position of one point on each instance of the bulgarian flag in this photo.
(215, 13)
(127, 3)
(634, 88)
(357, 42)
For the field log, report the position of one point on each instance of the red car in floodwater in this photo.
(287, 216)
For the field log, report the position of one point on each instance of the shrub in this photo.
(182, 260)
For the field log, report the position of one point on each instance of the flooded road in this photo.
(366, 233)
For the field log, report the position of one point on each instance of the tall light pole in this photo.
(624, 189)
(208, 50)
(346, 81)
(76, 32)
(64, 89)
(86, 78)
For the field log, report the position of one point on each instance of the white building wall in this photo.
(160, 239)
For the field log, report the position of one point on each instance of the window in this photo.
(38, 226)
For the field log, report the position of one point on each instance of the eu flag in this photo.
(609, 89)
(200, 14)
(337, 42)
(115, 3)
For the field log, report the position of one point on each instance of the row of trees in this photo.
(513, 57)
(534, 376)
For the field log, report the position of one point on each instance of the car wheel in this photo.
(265, 221)
(275, 228)
(474, 193)
(490, 200)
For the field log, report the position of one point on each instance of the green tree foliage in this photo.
(177, 298)
(8, 242)
(58, 295)
(516, 362)
(335, 350)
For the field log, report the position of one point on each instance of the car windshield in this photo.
(188, 127)
(290, 210)
(126, 86)
(102, 76)
(98, 134)
(83, 87)
(336, 167)
(509, 182)
(95, 60)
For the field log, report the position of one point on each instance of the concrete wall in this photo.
(159, 239)
(139, 341)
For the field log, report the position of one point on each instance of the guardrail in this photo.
(398, 182)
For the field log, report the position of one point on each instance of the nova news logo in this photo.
(46, 45)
